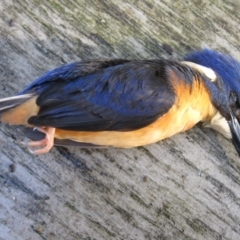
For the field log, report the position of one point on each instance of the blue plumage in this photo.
(224, 65)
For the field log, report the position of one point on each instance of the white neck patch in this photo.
(204, 70)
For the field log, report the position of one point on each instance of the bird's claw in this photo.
(44, 145)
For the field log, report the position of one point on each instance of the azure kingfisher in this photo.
(122, 103)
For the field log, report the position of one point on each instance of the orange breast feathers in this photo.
(191, 106)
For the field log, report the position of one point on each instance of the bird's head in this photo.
(228, 68)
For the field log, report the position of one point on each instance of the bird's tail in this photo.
(12, 102)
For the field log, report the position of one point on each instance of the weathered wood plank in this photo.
(186, 187)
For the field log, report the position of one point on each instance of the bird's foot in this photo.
(44, 145)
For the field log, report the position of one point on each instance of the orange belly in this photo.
(173, 122)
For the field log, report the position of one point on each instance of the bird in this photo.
(228, 68)
(120, 103)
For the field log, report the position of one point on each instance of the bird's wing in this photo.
(103, 95)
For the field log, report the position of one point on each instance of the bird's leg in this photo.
(46, 143)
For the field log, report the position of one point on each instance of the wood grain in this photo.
(186, 187)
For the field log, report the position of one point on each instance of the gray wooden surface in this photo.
(186, 187)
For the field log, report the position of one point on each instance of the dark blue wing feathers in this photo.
(103, 95)
(69, 72)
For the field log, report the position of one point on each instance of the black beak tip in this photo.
(235, 130)
(237, 147)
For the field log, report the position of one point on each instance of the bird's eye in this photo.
(234, 104)
(233, 95)
(233, 99)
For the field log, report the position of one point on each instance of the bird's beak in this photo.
(235, 130)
